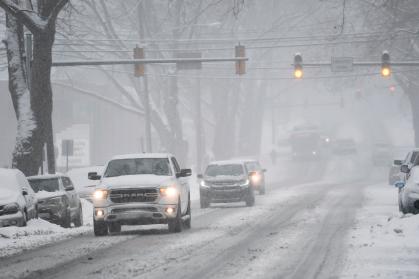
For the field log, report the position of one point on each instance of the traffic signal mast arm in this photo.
(143, 61)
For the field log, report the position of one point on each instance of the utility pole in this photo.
(199, 128)
(139, 70)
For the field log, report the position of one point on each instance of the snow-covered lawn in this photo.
(40, 232)
(383, 243)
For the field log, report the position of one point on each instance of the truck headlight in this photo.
(204, 184)
(170, 191)
(11, 208)
(100, 194)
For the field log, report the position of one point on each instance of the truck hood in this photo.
(7, 196)
(138, 181)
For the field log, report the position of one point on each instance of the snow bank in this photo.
(39, 232)
(383, 243)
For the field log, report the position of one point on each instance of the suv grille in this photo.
(133, 195)
(225, 183)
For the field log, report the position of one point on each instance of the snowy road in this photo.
(297, 231)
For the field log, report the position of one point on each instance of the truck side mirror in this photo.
(93, 176)
(397, 162)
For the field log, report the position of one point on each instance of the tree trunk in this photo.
(41, 94)
(23, 152)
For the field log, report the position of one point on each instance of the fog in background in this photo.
(250, 115)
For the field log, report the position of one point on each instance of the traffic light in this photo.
(385, 64)
(298, 66)
(241, 64)
(139, 69)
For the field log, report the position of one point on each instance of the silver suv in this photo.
(141, 189)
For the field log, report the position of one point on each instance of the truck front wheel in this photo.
(100, 228)
(175, 225)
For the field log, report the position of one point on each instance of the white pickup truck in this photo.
(141, 189)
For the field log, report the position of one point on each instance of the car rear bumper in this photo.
(15, 219)
(135, 213)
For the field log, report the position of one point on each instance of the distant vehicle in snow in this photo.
(409, 191)
(141, 189)
(226, 181)
(344, 147)
(83, 185)
(18, 203)
(58, 202)
(382, 154)
(256, 175)
(306, 142)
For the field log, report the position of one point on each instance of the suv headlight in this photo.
(169, 191)
(11, 208)
(244, 183)
(100, 194)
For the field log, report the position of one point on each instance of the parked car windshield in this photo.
(48, 185)
(156, 166)
(220, 170)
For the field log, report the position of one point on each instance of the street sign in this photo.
(342, 64)
(67, 147)
(189, 65)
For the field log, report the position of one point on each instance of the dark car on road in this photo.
(58, 202)
(256, 175)
(224, 182)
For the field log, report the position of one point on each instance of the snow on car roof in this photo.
(142, 155)
(227, 162)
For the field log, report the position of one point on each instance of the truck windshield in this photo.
(48, 185)
(156, 166)
(227, 170)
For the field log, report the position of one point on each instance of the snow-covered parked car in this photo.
(226, 181)
(58, 202)
(409, 191)
(84, 186)
(141, 189)
(18, 203)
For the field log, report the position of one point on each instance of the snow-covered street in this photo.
(299, 230)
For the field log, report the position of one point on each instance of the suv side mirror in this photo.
(397, 162)
(93, 176)
(69, 188)
(25, 192)
(200, 176)
(184, 173)
(404, 169)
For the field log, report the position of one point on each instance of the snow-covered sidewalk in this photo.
(39, 232)
(383, 243)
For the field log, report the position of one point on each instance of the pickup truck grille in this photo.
(133, 195)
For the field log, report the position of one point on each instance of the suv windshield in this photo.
(49, 185)
(219, 170)
(156, 166)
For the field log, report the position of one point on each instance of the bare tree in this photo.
(34, 113)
